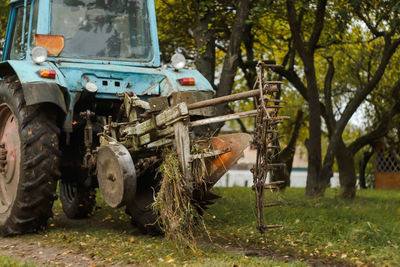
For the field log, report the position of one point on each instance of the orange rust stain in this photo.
(54, 44)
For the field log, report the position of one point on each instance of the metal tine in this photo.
(270, 89)
(265, 186)
(271, 205)
(277, 165)
(273, 82)
(280, 118)
(277, 182)
(271, 107)
(274, 100)
(276, 138)
(272, 226)
(271, 187)
(275, 123)
(267, 65)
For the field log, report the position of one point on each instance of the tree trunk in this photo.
(314, 187)
(232, 56)
(347, 173)
(205, 45)
(287, 154)
(362, 167)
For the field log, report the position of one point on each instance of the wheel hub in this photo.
(10, 157)
(116, 175)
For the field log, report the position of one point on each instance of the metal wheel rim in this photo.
(10, 157)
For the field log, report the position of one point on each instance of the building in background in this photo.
(387, 167)
(240, 175)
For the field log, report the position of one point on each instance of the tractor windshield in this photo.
(103, 29)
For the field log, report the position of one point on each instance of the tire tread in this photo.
(36, 191)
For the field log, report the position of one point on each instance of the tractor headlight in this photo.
(178, 61)
(39, 54)
(91, 87)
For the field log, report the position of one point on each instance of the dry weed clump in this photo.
(177, 213)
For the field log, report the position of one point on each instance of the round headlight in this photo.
(91, 87)
(39, 54)
(178, 61)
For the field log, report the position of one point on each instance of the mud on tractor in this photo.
(85, 102)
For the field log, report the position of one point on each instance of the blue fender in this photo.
(37, 89)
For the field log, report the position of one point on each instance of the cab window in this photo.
(19, 42)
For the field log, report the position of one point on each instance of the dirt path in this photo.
(41, 253)
(35, 252)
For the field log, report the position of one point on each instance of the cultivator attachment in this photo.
(266, 141)
(144, 129)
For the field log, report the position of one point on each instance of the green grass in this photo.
(363, 231)
(10, 262)
(366, 230)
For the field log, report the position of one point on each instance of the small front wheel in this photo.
(77, 201)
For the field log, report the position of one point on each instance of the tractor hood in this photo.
(114, 80)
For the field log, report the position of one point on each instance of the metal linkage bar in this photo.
(224, 118)
(166, 117)
(228, 98)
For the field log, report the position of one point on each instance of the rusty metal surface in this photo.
(228, 117)
(228, 98)
(10, 156)
(182, 145)
(266, 138)
(158, 103)
(116, 175)
(54, 44)
(191, 97)
(219, 165)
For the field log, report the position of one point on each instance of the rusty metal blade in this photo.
(219, 165)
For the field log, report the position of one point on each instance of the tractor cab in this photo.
(111, 31)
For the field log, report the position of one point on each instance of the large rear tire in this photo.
(29, 159)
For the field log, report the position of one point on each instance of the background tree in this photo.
(317, 84)
(4, 10)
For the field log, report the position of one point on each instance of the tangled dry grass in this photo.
(178, 215)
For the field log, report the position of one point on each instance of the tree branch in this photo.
(354, 103)
(295, 28)
(373, 29)
(318, 24)
(383, 127)
(294, 79)
(330, 119)
(231, 60)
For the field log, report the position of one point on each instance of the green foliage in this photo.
(3, 17)
(4, 10)
(177, 20)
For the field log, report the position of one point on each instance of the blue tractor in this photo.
(85, 103)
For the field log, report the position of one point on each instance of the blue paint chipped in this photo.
(113, 77)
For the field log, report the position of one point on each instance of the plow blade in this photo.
(234, 144)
